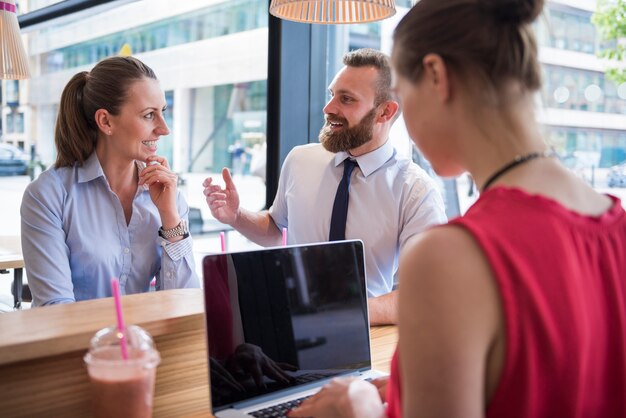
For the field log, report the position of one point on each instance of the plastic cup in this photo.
(122, 388)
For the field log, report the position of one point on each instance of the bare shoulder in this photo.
(553, 180)
(449, 321)
(444, 250)
(445, 274)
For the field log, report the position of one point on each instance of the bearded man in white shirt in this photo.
(390, 197)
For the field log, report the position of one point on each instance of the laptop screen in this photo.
(284, 317)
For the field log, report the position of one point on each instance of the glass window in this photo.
(12, 92)
(15, 122)
(590, 152)
(567, 28)
(570, 88)
(211, 59)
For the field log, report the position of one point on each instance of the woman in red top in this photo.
(518, 308)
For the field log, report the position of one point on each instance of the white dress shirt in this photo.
(391, 199)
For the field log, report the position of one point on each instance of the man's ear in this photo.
(437, 76)
(390, 108)
(103, 120)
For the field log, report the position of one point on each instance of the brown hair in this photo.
(367, 57)
(490, 40)
(104, 87)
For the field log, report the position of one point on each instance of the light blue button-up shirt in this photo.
(75, 239)
(391, 199)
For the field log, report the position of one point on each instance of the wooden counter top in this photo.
(58, 329)
(41, 354)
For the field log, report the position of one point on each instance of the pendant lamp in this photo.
(13, 58)
(333, 11)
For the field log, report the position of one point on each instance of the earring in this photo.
(109, 132)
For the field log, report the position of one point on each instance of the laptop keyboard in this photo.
(277, 411)
(310, 377)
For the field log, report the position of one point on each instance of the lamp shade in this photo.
(333, 11)
(13, 58)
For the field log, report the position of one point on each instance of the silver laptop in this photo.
(281, 322)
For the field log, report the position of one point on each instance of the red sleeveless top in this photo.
(562, 282)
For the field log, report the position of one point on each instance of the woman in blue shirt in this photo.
(109, 207)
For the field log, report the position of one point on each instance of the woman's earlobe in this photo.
(103, 122)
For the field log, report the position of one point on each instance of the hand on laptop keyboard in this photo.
(277, 411)
(346, 397)
(381, 385)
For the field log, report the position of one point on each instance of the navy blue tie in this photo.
(340, 207)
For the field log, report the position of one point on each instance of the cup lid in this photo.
(138, 342)
(105, 350)
(136, 338)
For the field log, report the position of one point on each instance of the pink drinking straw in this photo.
(115, 288)
(223, 241)
(284, 236)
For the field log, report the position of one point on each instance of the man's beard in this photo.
(347, 138)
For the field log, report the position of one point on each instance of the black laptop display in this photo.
(283, 319)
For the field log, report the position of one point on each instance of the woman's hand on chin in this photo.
(162, 184)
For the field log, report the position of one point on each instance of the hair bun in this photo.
(514, 11)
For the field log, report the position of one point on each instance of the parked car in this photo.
(617, 175)
(13, 161)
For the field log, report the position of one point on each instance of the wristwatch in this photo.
(180, 230)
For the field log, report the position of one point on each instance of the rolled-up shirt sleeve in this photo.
(279, 209)
(423, 210)
(177, 261)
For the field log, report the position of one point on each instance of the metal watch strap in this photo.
(179, 230)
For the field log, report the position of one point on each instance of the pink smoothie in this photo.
(122, 388)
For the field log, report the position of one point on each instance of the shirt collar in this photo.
(370, 162)
(91, 169)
